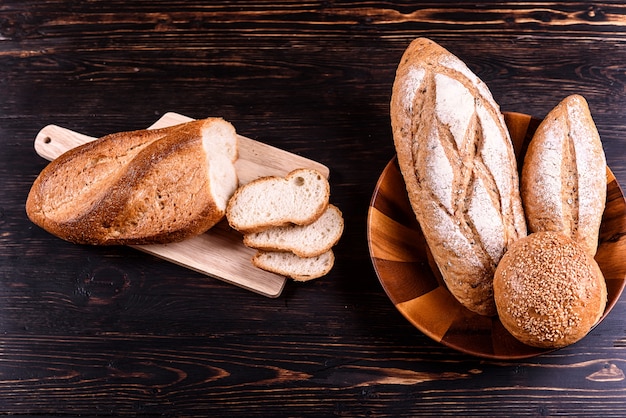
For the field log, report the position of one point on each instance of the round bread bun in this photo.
(549, 292)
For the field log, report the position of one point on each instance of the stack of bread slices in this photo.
(290, 221)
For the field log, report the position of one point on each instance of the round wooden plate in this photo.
(412, 281)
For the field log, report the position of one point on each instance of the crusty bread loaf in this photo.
(141, 187)
(299, 198)
(303, 240)
(549, 290)
(564, 174)
(458, 163)
(298, 268)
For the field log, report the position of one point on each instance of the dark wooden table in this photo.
(113, 331)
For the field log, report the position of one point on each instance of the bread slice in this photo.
(299, 198)
(298, 268)
(303, 240)
(140, 187)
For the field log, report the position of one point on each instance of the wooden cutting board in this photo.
(220, 252)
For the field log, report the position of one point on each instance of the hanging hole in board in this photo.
(47, 140)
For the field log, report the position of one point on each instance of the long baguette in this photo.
(459, 167)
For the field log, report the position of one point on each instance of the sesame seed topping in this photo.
(544, 286)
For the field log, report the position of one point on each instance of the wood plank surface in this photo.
(116, 332)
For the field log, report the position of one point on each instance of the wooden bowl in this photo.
(412, 281)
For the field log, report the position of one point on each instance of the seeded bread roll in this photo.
(549, 291)
(458, 163)
(140, 187)
(564, 174)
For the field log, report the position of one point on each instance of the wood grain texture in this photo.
(113, 331)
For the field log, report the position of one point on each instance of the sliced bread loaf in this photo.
(298, 268)
(303, 240)
(140, 187)
(299, 198)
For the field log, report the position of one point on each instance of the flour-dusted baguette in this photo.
(140, 187)
(298, 268)
(564, 174)
(303, 240)
(458, 163)
(298, 198)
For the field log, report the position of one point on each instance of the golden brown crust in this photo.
(141, 187)
(549, 291)
(459, 167)
(564, 174)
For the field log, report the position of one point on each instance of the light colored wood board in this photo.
(53, 141)
(219, 252)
